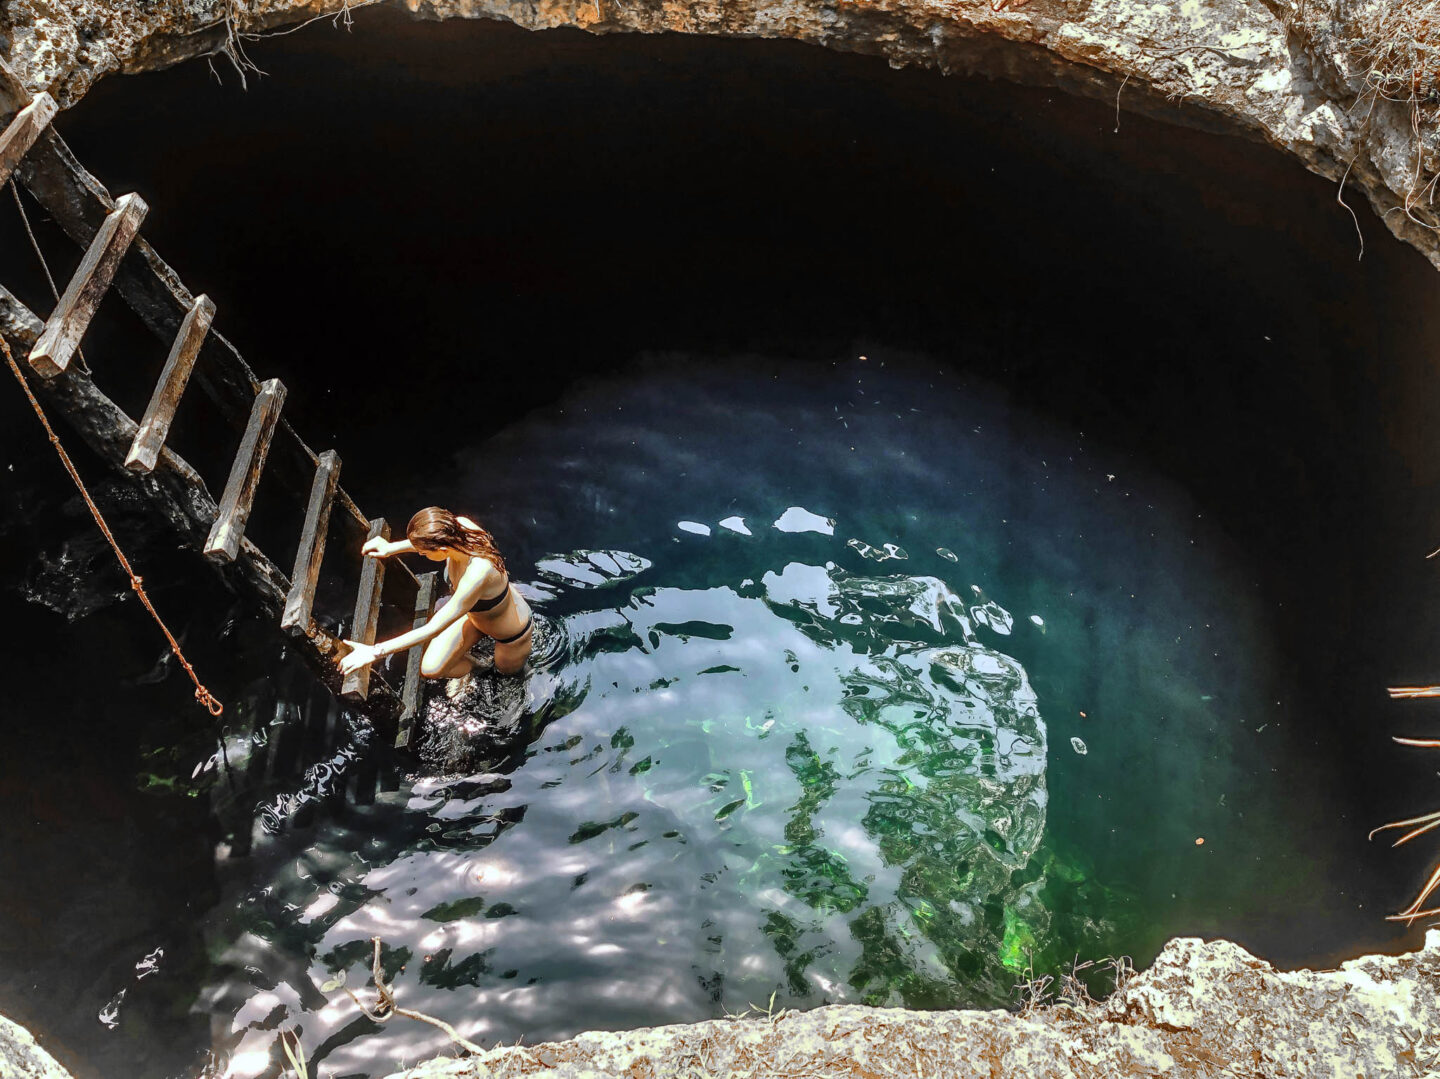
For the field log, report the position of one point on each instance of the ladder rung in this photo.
(303, 580)
(224, 542)
(155, 425)
(410, 697)
(367, 612)
(76, 308)
(16, 139)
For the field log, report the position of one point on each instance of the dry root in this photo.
(1395, 46)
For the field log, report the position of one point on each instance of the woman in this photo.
(482, 601)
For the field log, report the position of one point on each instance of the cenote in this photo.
(944, 512)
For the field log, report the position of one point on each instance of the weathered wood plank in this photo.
(410, 696)
(155, 425)
(79, 202)
(180, 496)
(224, 541)
(76, 308)
(16, 139)
(367, 612)
(312, 544)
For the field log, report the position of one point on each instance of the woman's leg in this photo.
(511, 657)
(446, 656)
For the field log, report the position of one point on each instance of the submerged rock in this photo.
(1202, 1009)
(470, 724)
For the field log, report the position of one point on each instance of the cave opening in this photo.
(433, 232)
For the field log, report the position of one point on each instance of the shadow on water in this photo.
(820, 783)
(823, 728)
(886, 717)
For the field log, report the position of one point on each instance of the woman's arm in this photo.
(383, 548)
(467, 593)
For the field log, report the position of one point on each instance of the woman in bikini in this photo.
(482, 601)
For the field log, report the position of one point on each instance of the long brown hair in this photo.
(434, 528)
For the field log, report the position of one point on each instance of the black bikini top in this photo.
(494, 601)
(488, 604)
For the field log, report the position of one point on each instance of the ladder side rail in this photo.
(180, 496)
(367, 612)
(174, 486)
(79, 203)
(311, 551)
(410, 694)
(160, 413)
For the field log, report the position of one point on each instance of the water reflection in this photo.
(814, 781)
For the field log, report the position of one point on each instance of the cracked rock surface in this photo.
(1202, 1009)
(1281, 71)
(22, 1058)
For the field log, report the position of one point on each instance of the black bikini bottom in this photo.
(515, 637)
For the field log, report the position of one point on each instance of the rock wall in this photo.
(22, 1058)
(1282, 71)
(1201, 1010)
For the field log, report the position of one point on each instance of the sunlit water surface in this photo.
(853, 684)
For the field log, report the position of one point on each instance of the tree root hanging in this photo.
(1422, 824)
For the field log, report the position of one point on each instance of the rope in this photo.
(35, 245)
(25, 219)
(203, 695)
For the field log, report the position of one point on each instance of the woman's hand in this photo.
(360, 655)
(379, 547)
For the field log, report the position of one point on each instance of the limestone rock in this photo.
(1202, 1009)
(1281, 71)
(22, 1058)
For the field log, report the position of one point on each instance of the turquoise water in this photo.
(854, 684)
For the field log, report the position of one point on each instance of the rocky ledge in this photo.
(22, 1058)
(1301, 75)
(1202, 1009)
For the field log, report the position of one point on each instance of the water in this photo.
(1169, 429)
(853, 684)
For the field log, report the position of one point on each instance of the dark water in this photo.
(917, 584)
(907, 735)
(813, 759)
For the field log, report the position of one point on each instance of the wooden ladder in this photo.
(116, 256)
